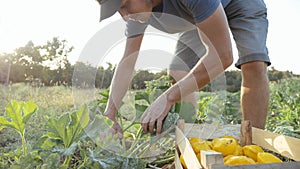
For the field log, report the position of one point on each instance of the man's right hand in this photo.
(116, 128)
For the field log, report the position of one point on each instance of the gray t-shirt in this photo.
(174, 16)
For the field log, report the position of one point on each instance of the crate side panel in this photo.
(285, 165)
(210, 131)
(284, 145)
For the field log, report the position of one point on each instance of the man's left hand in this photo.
(155, 114)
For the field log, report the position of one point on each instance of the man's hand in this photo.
(116, 128)
(155, 114)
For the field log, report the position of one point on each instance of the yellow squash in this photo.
(267, 158)
(238, 160)
(251, 151)
(226, 146)
(182, 162)
(198, 146)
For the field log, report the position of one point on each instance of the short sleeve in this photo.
(134, 28)
(201, 9)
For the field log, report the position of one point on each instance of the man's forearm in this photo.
(205, 71)
(123, 75)
(200, 76)
(120, 83)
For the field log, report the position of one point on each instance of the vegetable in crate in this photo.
(264, 157)
(238, 160)
(182, 161)
(252, 151)
(226, 146)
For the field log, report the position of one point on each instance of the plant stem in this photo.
(67, 161)
(24, 144)
(165, 160)
(131, 151)
(133, 123)
(121, 124)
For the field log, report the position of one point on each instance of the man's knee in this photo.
(254, 73)
(255, 68)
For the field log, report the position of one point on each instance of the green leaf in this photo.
(104, 93)
(99, 124)
(108, 160)
(155, 93)
(69, 127)
(97, 131)
(67, 151)
(2, 127)
(44, 143)
(187, 112)
(52, 161)
(141, 95)
(80, 120)
(58, 128)
(17, 115)
(28, 109)
(140, 109)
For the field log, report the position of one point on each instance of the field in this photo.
(45, 147)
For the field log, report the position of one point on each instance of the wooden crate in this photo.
(286, 146)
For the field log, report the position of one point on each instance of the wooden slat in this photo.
(286, 165)
(284, 145)
(210, 131)
(186, 150)
(209, 158)
(177, 161)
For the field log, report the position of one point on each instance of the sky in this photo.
(77, 21)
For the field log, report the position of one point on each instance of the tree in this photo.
(104, 76)
(276, 75)
(5, 68)
(56, 58)
(138, 81)
(48, 63)
(84, 75)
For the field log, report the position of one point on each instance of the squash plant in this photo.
(16, 117)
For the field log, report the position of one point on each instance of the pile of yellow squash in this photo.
(233, 152)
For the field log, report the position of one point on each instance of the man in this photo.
(207, 15)
(248, 23)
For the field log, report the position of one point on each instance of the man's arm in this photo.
(122, 78)
(215, 33)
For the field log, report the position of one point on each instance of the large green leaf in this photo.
(108, 160)
(140, 109)
(17, 115)
(142, 95)
(69, 127)
(99, 124)
(186, 111)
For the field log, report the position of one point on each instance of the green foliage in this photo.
(275, 75)
(71, 139)
(16, 117)
(99, 160)
(284, 108)
(219, 107)
(69, 127)
(138, 81)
